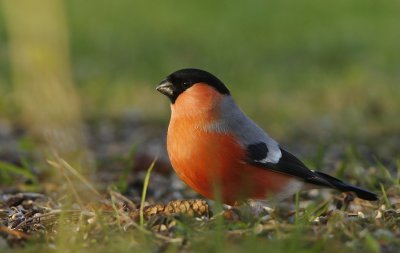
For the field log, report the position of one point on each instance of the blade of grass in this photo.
(320, 209)
(297, 208)
(116, 212)
(80, 177)
(384, 170)
(61, 163)
(385, 198)
(144, 191)
(6, 177)
(11, 168)
(72, 187)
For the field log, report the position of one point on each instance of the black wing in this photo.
(291, 165)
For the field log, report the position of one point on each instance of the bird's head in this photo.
(179, 81)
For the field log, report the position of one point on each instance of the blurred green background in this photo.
(315, 65)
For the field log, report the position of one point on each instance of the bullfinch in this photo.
(213, 145)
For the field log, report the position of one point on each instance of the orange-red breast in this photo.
(213, 145)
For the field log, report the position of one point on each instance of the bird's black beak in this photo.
(166, 88)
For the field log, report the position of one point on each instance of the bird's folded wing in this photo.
(257, 154)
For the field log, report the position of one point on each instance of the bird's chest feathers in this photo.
(200, 157)
(196, 108)
(188, 140)
(192, 146)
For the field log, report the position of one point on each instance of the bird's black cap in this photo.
(183, 79)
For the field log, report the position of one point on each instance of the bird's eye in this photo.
(186, 85)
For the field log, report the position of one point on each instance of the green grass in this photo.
(287, 62)
(302, 224)
(144, 191)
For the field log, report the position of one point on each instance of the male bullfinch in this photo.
(214, 147)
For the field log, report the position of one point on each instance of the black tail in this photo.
(342, 186)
